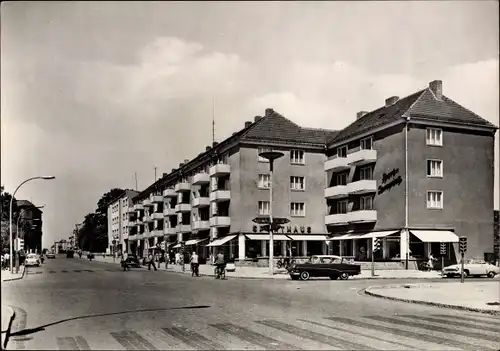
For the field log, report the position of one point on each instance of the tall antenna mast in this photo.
(213, 119)
(155, 174)
(136, 188)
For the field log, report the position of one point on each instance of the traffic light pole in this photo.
(462, 268)
(442, 266)
(373, 263)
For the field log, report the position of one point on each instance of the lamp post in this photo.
(271, 156)
(10, 216)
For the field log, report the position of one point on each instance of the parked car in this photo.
(133, 261)
(475, 268)
(50, 255)
(330, 266)
(32, 260)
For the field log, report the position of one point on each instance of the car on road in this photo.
(32, 260)
(474, 268)
(133, 261)
(50, 255)
(330, 266)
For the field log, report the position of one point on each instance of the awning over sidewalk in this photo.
(194, 241)
(279, 237)
(222, 241)
(377, 234)
(306, 237)
(345, 237)
(435, 236)
(177, 246)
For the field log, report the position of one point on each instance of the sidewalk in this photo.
(8, 276)
(7, 318)
(471, 296)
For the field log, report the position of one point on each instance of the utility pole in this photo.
(136, 187)
(213, 119)
(155, 174)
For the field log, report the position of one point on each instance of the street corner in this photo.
(479, 297)
(8, 315)
(8, 276)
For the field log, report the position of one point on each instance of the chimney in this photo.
(181, 164)
(186, 161)
(164, 175)
(207, 148)
(391, 101)
(248, 124)
(256, 118)
(173, 170)
(269, 111)
(436, 86)
(233, 134)
(214, 144)
(360, 114)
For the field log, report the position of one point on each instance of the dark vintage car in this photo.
(133, 261)
(330, 266)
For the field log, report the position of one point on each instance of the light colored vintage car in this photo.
(475, 268)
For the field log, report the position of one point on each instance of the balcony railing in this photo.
(201, 178)
(184, 186)
(362, 187)
(220, 195)
(337, 164)
(169, 193)
(181, 208)
(147, 219)
(183, 228)
(170, 231)
(132, 237)
(219, 169)
(362, 157)
(156, 198)
(361, 216)
(157, 215)
(220, 221)
(169, 212)
(138, 207)
(201, 225)
(336, 192)
(157, 233)
(147, 202)
(201, 202)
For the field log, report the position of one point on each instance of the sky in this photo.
(92, 92)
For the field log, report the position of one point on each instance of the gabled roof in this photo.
(275, 127)
(420, 105)
(25, 204)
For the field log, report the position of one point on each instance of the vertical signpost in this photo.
(375, 247)
(443, 253)
(463, 250)
(182, 255)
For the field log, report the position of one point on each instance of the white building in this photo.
(118, 221)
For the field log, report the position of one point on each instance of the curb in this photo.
(18, 278)
(428, 303)
(6, 333)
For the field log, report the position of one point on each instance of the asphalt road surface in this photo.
(74, 304)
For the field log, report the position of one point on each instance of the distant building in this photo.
(31, 231)
(412, 189)
(118, 220)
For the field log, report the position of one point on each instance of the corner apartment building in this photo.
(415, 172)
(118, 220)
(31, 216)
(211, 201)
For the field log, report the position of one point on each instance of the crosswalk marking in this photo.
(253, 337)
(192, 338)
(306, 334)
(478, 319)
(441, 329)
(403, 332)
(456, 324)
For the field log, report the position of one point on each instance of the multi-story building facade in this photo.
(211, 201)
(119, 220)
(30, 225)
(414, 173)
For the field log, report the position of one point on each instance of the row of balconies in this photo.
(357, 158)
(353, 188)
(361, 216)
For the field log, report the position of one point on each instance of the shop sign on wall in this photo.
(389, 181)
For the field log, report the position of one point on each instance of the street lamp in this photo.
(10, 217)
(271, 156)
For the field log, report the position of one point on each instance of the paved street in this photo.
(77, 304)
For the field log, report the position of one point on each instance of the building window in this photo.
(297, 183)
(366, 203)
(264, 207)
(434, 168)
(366, 173)
(261, 150)
(342, 179)
(297, 209)
(342, 206)
(434, 137)
(297, 157)
(366, 144)
(435, 199)
(342, 152)
(264, 181)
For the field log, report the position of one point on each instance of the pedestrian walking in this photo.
(177, 258)
(151, 262)
(124, 261)
(194, 264)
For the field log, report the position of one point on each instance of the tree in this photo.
(102, 204)
(5, 198)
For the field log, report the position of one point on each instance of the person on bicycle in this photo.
(194, 263)
(220, 263)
